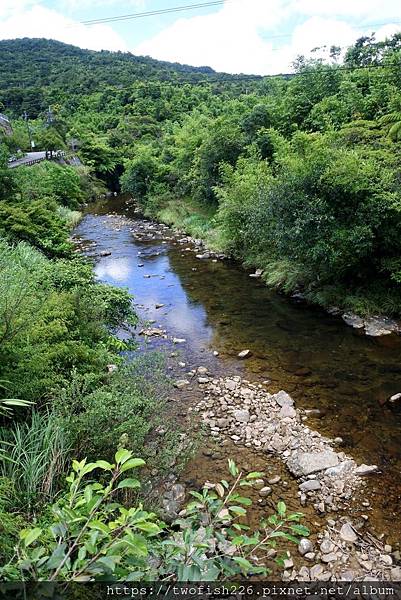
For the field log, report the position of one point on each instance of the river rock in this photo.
(265, 491)
(179, 341)
(244, 354)
(310, 486)
(313, 462)
(341, 469)
(287, 411)
(152, 332)
(283, 399)
(231, 385)
(105, 253)
(172, 501)
(303, 574)
(328, 558)
(347, 533)
(376, 326)
(257, 275)
(274, 480)
(326, 546)
(366, 469)
(242, 416)
(395, 398)
(353, 320)
(159, 306)
(316, 572)
(181, 383)
(305, 546)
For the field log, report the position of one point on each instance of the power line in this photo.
(201, 5)
(153, 13)
(235, 79)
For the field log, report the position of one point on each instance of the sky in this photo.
(241, 36)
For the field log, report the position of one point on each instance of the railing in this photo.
(27, 163)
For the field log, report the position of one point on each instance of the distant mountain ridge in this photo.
(28, 65)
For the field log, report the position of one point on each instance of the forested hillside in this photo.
(36, 72)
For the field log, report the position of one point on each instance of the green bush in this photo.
(55, 318)
(92, 536)
(126, 407)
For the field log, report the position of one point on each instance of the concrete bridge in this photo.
(32, 158)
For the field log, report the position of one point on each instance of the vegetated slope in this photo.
(296, 176)
(33, 71)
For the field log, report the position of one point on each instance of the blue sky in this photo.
(241, 36)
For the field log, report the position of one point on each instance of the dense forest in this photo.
(299, 176)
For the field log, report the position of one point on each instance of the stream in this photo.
(315, 357)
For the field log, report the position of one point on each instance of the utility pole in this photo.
(31, 142)
(50, 116)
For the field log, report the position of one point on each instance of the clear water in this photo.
(322, 362)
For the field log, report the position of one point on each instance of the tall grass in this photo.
(38, 453)
(70, 217)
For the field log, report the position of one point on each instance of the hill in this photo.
(29, 67)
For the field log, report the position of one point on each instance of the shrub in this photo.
(93, 537)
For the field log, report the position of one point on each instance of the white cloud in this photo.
(362, 9)
(241, 37)
(228, 40)
(24, 20)
(10, 7)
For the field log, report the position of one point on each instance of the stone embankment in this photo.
(326, 476)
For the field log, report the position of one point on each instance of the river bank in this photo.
(194, 223)
(206, 311)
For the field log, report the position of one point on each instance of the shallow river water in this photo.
(216, 306)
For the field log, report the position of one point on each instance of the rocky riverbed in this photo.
(327, 477)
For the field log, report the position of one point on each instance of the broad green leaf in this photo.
(88, 494)
(129, 483)
(148, 527)
(238, 540)
(232, 467)
(244, 501)
(132, 464)
(99, 526)
(31, 536)
(281, 508)
(243, 563)
(255, 475)
(122, 456)
(103, 464)
(109, 562)
(237, 510)
(300, 530)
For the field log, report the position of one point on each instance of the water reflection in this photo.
(115, 271)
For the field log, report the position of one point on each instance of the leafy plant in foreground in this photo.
(92, 536)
